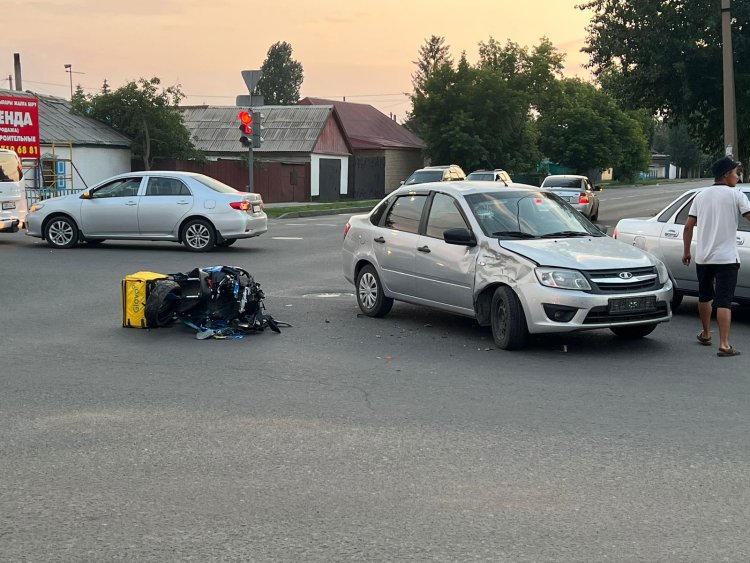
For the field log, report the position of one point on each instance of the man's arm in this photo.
(687, 238)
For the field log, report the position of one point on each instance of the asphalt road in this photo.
(408, 438)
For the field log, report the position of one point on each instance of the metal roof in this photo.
(215, 129)
(368, 128)
(58, 125)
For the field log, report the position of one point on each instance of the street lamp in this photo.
(69, 70)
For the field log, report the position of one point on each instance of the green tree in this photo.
(586, 130)
(433, 54)
(282, 76)
(666, 57)
(675, 140)
(150, 116)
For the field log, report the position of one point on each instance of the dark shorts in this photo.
(716, 282)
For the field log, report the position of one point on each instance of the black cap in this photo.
(723, 166)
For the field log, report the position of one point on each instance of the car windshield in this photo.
(483, 176)
(215, 184)
(528, 214)
(561, 183)
(422, 176)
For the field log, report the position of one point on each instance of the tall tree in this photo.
(666, 57)
(150, 116)
(586, 130)
(433, 54)
(282, 76)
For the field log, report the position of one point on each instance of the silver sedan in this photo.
(661, 235)
(194, 209)
(515, 258)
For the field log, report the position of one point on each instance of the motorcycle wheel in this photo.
(162, 303)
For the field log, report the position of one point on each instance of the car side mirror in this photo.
(597, 188)
(460, 237)
(401, 183)
(86, 195)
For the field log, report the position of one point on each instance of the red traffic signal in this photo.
(246, 118)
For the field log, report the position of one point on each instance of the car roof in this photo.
(566, 176)
(463, 188)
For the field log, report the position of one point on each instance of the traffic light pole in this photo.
(250, 180)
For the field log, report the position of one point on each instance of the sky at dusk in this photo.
(363, 51)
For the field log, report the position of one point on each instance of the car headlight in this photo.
(562, 279)
(36, 207)
(661, 269)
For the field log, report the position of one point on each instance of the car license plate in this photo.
(632, 304)
(9, 205)
(256, 208)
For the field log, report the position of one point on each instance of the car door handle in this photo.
(183, 202)
(740, 241)
(131, 203)
(424, 248)
(379, 239)
(670, 233)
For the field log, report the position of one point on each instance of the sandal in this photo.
(726, 352)
(703, 340)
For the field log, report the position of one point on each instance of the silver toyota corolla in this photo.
(517, 258)
(194, 209)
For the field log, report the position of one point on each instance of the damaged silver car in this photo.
(518, 259)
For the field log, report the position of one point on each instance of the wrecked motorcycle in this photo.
(216, 301)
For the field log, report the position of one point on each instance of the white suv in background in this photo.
(12, 192)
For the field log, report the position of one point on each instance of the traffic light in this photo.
(246, 126)
(257, 120)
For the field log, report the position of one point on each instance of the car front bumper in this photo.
(592, 310)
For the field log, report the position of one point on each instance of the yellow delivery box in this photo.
(135, 290)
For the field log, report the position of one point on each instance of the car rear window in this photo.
(215, 185)
(485, 177)
(561, 183)
(425, 176)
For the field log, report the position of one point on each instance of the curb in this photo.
(317, 212)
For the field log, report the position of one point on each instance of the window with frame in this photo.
(682, 216)
(406, 213)
(669, 211)
(166, 186)
(444, 215)
(124, 187)
(744, 224)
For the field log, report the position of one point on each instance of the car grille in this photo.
(601, 315)
(628, 280)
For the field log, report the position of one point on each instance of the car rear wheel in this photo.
(198, 235)
(508, 320)
(61, 232)
(633, 332)
(370, 296)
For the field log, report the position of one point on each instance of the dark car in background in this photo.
(496, 175)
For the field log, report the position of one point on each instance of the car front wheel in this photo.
(61, 232)
(370, 297)
(509, 328)
(633, 332)
(198, 235)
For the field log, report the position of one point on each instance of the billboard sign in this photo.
(19, 125)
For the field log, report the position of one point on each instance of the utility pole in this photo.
(70, 71)
(730, 112)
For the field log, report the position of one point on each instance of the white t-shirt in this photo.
(718, 210)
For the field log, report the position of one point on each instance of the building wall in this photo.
(92, 164)
(399, 164)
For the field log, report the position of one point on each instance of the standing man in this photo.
(716, 209)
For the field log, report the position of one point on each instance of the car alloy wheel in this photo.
(198, 236)
(61, 232)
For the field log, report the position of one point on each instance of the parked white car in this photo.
(661, 235)
(578, 191)
(516, 258)
(12, 192)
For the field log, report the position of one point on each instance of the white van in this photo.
(12, 192)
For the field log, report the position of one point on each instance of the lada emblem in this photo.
(625, 275)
